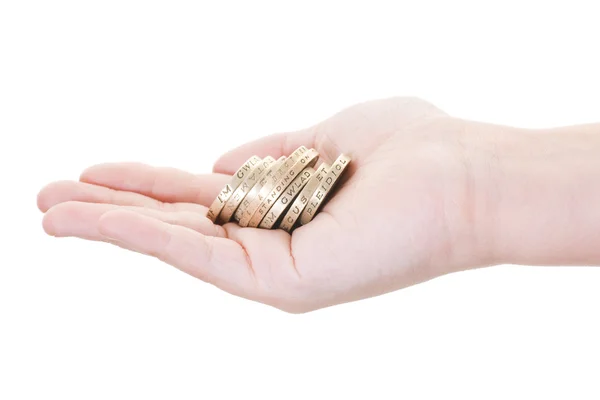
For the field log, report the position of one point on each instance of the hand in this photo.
(405, 211)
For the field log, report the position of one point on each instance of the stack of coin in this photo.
(284, 193)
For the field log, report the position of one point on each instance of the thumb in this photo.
(275, 145)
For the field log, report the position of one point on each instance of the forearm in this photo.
(544, 196)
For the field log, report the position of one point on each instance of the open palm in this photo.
(400, 215)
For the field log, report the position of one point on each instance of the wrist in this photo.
(541, 195)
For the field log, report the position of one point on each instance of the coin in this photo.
(218, 204)
(286, 198)
(290, 218)
(318, 197)
(247, 200)
(265, 185)
(306, 160)
(238, 195)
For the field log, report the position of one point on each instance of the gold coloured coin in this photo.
(247, 200)
(308, 159)
(318, 197)
(266, 185)
(284, 201)
(290, 218)
(218, 204)
(238, 195)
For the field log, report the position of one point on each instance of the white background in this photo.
(178, 83)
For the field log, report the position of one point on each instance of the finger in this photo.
(79, 219)
(165, 184)
(215, 260)
(277, 145)
(62, 191)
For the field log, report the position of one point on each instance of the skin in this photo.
(426, 194)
